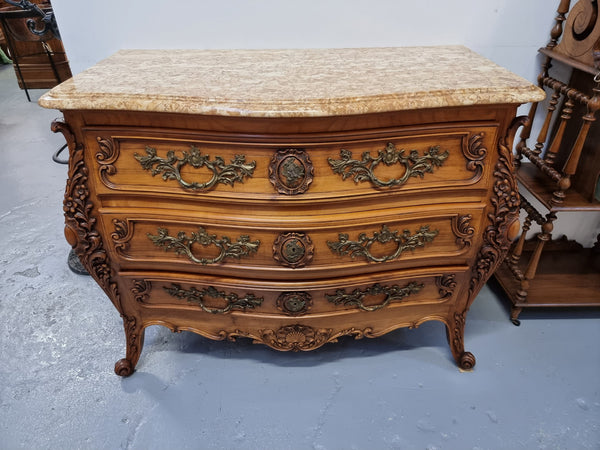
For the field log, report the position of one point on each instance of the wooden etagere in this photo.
(562, 172)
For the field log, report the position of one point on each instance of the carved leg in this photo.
(134, 336)
(455, 334)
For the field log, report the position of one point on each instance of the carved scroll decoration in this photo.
(392, 294)
(414, 165)
(141, 290)
(170, 167)
(122, 234)
(291, 171)
(297, 337)
(463, 230)
(182, 245)
(581, 38)
(293, 250)
(446, 285)
(108, 154)
(294, 303)
(80, 224)
(196, 296)
(475, 152)
(362, 246)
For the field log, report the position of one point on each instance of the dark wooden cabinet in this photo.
(39, 58)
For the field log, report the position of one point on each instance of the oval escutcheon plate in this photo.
(291, 171)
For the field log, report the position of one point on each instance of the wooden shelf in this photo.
(568, 275)
(568, 61)
(542, 187)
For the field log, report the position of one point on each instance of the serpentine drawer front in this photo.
(293, 205)
(321, 165)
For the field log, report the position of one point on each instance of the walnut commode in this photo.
(291, 196)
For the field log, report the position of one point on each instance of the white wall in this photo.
(508, 32)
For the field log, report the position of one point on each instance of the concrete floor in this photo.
(534, 386)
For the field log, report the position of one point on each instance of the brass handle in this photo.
(182, 245)
(392, 293)
(362, 247)
(193, 295)
(170, 167)
(415, 165)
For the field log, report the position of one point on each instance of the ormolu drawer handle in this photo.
(355, 298)
(193, 295)
(405, 241)
(170, 167)
(363, 170)
(182, 245)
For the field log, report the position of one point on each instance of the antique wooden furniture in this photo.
(34, 46)
(563, 172)
(291, 196)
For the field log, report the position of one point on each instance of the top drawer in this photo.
(271, 167)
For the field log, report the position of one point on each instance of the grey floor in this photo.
(534, 386)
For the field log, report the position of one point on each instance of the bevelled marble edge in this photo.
(408, 93)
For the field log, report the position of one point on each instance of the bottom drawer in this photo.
(204, 297)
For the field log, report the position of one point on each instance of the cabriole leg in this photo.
(134, 335)
(456, 336)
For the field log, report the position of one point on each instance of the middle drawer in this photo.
(309, 247)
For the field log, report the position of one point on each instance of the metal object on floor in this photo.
(75, 264)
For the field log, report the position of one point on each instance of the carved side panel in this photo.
(503, 214)
(80, 223)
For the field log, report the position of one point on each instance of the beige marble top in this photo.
(296, 83)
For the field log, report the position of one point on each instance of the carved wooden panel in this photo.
(581, 34)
